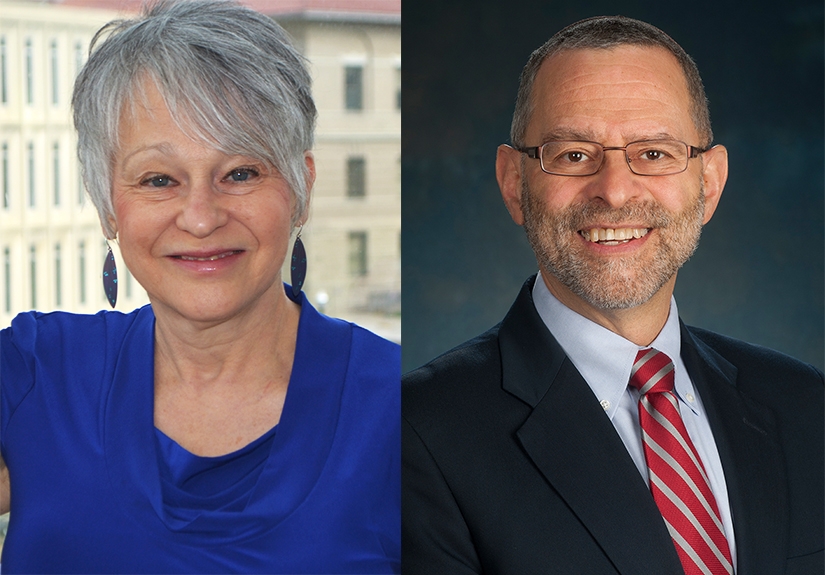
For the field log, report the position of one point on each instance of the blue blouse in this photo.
(96, 488)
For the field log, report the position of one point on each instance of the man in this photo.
(591, 432)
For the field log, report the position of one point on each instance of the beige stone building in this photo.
(51, 246)
(354, 231)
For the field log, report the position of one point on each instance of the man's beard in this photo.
(612, 282)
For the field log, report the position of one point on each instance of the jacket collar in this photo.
(576, 448)
(746, 437)
(573, 444)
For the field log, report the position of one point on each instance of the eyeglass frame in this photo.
(534, 152)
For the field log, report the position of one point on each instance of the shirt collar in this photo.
(604, 358)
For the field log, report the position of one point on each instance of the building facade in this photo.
(354, 230)
(51, 245)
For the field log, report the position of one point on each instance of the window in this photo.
(30, 164)
(358, 254)
(81, 190)
(398, 88)
(54, 72)
(128, 281)
(33, 274)
(58, 277)
(4, 95)
(7, 278)
(81, 249)
(354, 87)
(78, 58)
(56, 172)
(29, 71)
(356, 177)
(5, 176)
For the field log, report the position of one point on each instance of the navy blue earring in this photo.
(110, 277)
(298, 265)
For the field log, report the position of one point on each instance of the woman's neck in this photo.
(220, 386)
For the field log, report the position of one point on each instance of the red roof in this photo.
(269, 7)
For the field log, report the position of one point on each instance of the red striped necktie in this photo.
(678, 480)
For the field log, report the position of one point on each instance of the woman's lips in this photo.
(207, 262)
(207, 258)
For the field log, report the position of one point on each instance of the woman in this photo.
(227, 427)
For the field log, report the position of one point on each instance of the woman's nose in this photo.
(202, 211)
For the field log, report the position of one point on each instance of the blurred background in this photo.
(51, 246)
(758, 273)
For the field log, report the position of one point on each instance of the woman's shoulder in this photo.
(338, 333)
(369, 361)
(32, 329)
(62, 352)
(374, 362)
(367, 349)
(364, 337)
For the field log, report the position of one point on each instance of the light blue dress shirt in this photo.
(604, 359)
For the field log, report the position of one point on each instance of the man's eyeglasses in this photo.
(645, 158)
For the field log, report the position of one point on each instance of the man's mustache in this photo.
(597, 214)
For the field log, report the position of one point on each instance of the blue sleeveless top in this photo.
(96, 488)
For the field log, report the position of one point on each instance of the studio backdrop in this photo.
(758, 272)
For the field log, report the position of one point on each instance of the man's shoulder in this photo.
(753, 359)
(466, 379)
(773, 379)
(475, 358)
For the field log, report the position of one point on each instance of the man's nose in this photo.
(614, 182)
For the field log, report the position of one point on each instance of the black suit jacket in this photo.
(510, 464)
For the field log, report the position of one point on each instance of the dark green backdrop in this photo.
(758, 273)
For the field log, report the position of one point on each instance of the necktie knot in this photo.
(652, 372)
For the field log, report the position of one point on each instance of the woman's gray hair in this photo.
(230, 77)
(605, 32)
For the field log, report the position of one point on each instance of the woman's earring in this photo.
(298, 265)
(110, 277)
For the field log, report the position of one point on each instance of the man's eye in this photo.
(574, 157)
(653, 155)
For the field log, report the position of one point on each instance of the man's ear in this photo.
(508, 174)
(714, 176)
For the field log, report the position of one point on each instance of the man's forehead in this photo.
(611, 64)
(618, 84)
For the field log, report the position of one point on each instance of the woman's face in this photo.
(203, 232)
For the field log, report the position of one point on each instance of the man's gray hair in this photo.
(229, 76)
(605, 32)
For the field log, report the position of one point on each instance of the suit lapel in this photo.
(576, 448)
(744, 432)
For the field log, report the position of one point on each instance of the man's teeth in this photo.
(207, 259)
(613, 234)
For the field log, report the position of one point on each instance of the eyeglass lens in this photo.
(648, 158)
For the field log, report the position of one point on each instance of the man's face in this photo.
(652, 223)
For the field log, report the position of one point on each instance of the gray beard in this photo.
(611, 282)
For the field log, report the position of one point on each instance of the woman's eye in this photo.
(157, 181)
(242, 174)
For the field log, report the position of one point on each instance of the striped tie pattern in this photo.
(678, 480)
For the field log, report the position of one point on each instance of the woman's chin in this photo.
(211, 306)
